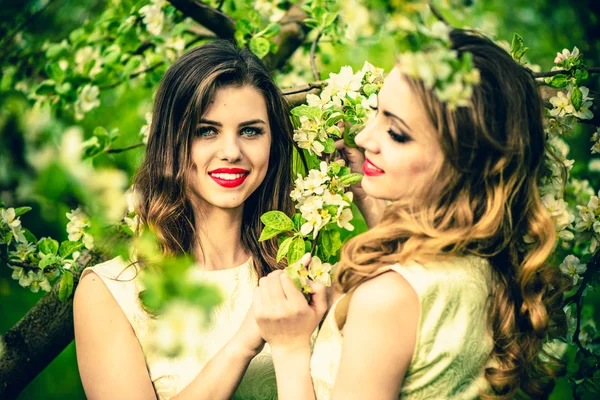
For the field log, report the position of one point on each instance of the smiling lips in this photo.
(229, 177)
(371, 169)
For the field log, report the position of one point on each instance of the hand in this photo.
(355, 159)
(370, 207)
(248, 337)
(284, 318)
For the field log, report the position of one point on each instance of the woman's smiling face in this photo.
(400, 146)
(231, 147)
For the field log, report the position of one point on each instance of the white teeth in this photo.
(228, 177)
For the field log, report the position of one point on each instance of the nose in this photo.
(367, 139)
(230, 149)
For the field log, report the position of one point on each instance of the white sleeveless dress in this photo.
(171, 375)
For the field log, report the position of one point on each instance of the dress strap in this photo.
(343, 305)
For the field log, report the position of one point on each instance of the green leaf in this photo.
(329, 146)
(244, 26)
(48, 246)
(306, 111)
(576, 98)
(57, 50)
(335, 168)
(559, 81)
(298, 221)
(21, 210)
(277, 220)
(55, 72)
(270, 31)
(284, 248)
(336, 241)
(68, 247)
(296, 250)
(325, 243)
(45, 88)
(260, 46)
(517, 43)
(66, 286)
(268, 233)
(49, 259)
(131, 65)
(369, 89)
(29, 236)
(351, 179)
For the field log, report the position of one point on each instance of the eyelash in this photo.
(208, 131)
(401, 137)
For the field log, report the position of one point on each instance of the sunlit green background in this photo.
(547, 27)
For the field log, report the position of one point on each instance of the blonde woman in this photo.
(442, 298)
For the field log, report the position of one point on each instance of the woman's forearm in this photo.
(220, 378)
(292, 369)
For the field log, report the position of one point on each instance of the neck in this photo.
(219, 238)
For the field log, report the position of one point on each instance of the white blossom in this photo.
(13, 223)
(153, 17)
(308, 140)
(87, 100)
(566, 54)
(560, 214)
(77, 228)
(572, 267)
(562, 105)
(319, 271)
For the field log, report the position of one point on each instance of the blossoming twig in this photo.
(592, 70)
(313, 49)
(134, 146)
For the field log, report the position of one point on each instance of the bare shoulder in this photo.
(109, 355)
(385, 293)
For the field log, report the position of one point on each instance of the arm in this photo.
(286, 322)
(221, 376)
(371, 208)
(379, 339)
(111, 360)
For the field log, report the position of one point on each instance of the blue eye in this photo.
(252, 131)
(206, 131)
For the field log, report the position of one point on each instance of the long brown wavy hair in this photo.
(483, 200)
(183, 96)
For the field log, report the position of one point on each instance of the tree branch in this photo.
(290, 37)
(591, 70)
(150, 68)
(438, 15)
(592, 267)
(313, 49)
(134, 146)
(39, 337)
(214, 19)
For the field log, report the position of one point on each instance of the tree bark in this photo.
(38, 338)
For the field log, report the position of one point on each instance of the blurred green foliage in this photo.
(547, 27)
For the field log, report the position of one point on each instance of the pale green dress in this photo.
(453, 344)
(170, 376)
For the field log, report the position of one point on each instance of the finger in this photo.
(265, 297)
(319, 298)
(340, 145)
(305, 260)
(276, 293)
(292, 293)
(256, 305)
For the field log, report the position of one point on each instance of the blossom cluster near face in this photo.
(78, 228)
(440, 68)
(588, 222)
(343, 106)
(321, 199)
(317, 271)
(572, 267)
(563, 106)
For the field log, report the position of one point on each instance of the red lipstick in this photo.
(229, 177)
(371, 169)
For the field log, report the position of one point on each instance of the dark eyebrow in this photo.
(252, 122)
(209, 122)
(242, 124)
(390, 115)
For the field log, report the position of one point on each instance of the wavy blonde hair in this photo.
(483, 201)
